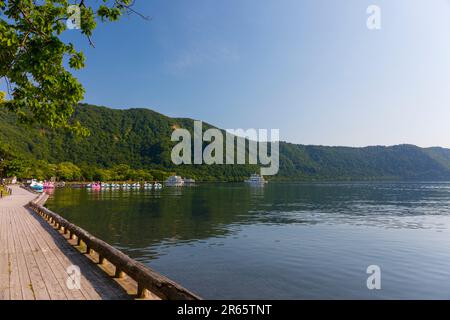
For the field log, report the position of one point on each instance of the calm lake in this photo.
(280, 241)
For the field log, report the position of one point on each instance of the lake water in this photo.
(281, 241)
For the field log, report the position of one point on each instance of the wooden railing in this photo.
(145, 278)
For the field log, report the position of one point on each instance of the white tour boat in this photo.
(175, 181)
(256, 179)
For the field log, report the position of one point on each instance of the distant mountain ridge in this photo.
(141, 138)
(401, 162)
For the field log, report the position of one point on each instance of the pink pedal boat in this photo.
(48, 185)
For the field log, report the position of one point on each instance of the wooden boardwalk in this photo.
(34, 258)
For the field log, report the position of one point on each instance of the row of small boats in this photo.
(124, 186)
(39, 186)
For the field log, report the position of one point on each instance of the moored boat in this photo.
(175, 181)
(256, 179)
(157, 186)
(48, 185)
(37, 186)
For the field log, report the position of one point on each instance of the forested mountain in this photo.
(401, 162)
(140, 138)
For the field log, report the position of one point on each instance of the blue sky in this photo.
(310, 68)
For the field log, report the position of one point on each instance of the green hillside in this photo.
(401, 162)
(135, 143)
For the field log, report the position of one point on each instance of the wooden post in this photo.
(101, 259)
(119, 273)
(78, 241)
(141, 291)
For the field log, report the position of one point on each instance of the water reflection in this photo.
(142, 218)
(328, 231)
(49, 191)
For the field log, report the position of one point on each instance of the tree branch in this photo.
(129, 8)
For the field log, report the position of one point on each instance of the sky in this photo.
(309, 68)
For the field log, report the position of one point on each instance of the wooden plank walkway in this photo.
(34, 259)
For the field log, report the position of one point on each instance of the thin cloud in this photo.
(199, 56)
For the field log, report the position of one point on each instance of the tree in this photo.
(102, 175)
(32, 54)
(120, 172)
(68, 171)
(15, 167)
(144, 175)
